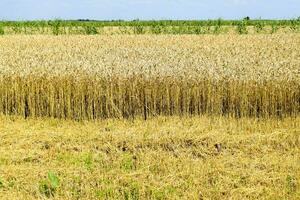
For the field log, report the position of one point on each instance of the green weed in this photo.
(128, 162)
(1, 183)
(242, 27)
(49, 186)
(1, 30)
(291, 184)
(88, 162)
(55, 27)
(90, 30)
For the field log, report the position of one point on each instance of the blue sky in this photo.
(147, 9)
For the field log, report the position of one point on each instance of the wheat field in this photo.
(94, 77)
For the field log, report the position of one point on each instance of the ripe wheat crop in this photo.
(124, 76)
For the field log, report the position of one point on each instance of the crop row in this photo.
(58, 27)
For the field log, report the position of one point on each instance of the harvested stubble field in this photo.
(161, 158)
(222, 117)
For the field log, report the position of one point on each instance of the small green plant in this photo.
(105, 193)
(218, 26)
(42, 27)
(171, 30)
(177, 30)
(274, 28)
(128, 162)
(198, 30)
(293, 25)
(55, 26)
(162, 193)
(131, 191)
(242, 27)
(49, 186)
(11, 182)
(88, 161)
(138, 29)
(291, 184)
(1, 184)
(90, 30)
(207, 29)
(17, 28)
(156, 29)
(1, 30)
(259, 27)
